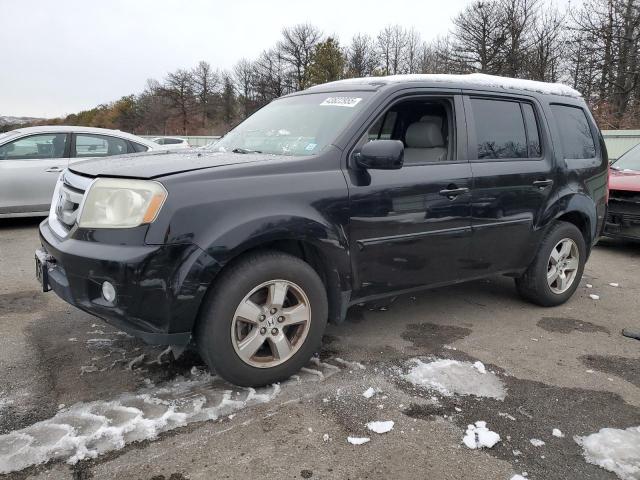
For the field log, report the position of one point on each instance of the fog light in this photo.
(108, 292)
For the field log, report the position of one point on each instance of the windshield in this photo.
(299, 125)
(629, 161)
(5, 135)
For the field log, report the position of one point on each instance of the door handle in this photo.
(542, 184)
(452, 193)
(54, 169)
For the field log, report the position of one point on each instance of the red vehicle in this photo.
(623, 217)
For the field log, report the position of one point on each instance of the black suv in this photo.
(340, 194)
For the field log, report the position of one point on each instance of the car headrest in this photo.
(436, 120)
(423, 135)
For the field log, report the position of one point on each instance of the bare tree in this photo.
(297, 47)
(244, 77)
(392, 45)
(178, 88)
(547, 46)
(479, 38)
(205, 84)
(361, 56)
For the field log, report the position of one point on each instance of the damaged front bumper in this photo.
(158, 288)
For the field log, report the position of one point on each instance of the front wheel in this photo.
(263, 319)
(555, 273)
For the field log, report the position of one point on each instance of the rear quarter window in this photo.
(575, 133)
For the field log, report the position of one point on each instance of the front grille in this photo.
(66, 202)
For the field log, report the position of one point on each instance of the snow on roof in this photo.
(469, 80)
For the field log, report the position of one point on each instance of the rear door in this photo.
(29, 169)
(513, 179)
(411, 227)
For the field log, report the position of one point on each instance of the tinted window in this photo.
(48, 145)
(88, 145)
(172, 141)
(533, 136)
(138, 148)
(499, 129)
(574, 130)
(383, 128)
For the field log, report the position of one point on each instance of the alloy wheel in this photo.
(271, 323)
(563, 265)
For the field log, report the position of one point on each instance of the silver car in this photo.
(31, 160)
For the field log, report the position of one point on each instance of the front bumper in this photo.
(622, 223)
(159, 288)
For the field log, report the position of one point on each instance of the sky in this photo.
(63, 56)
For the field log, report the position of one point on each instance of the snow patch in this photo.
(369, 392)
(557, 433)
(358, 440)
(518, 477)
(479, 436)
(345, 363)
(613, 284)
(470, 80)
(480, 367)
(615, 450)
(536, 442)
(86, 430)
(381, 427)
(507, 415)
(450, 377)
(594, 296)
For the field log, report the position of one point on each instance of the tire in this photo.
(535, 286)
(225, 335)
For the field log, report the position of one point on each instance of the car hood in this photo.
(160, 163)
(624, 180)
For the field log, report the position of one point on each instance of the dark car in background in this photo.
(340, 194)
(623, 217)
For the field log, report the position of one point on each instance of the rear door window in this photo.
(89, 145)
(575, 132)
(499, 128)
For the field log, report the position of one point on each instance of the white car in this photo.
(172, 143)
(32, 158)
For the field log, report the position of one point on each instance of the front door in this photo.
(29, 169)
(411, 227)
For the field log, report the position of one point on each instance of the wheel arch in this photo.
(579, 210)
(324, 248)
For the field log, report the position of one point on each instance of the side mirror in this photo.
(381, 155)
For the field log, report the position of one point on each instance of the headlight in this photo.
(121, 203)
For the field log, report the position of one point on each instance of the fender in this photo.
(571, 202)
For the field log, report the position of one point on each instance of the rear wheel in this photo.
(555, 273)
(263, 319)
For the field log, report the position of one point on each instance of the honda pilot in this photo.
(343, 193)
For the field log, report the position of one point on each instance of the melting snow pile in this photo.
(615, 450)
(479, 436)
(380, 427)
(86, 430)
(451, 377)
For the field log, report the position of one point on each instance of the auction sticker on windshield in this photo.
(341, 101)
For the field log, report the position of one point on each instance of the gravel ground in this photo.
(566, 367)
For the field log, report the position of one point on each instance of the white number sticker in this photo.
(341, 101)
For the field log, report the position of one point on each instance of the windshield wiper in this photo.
(244, 150)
